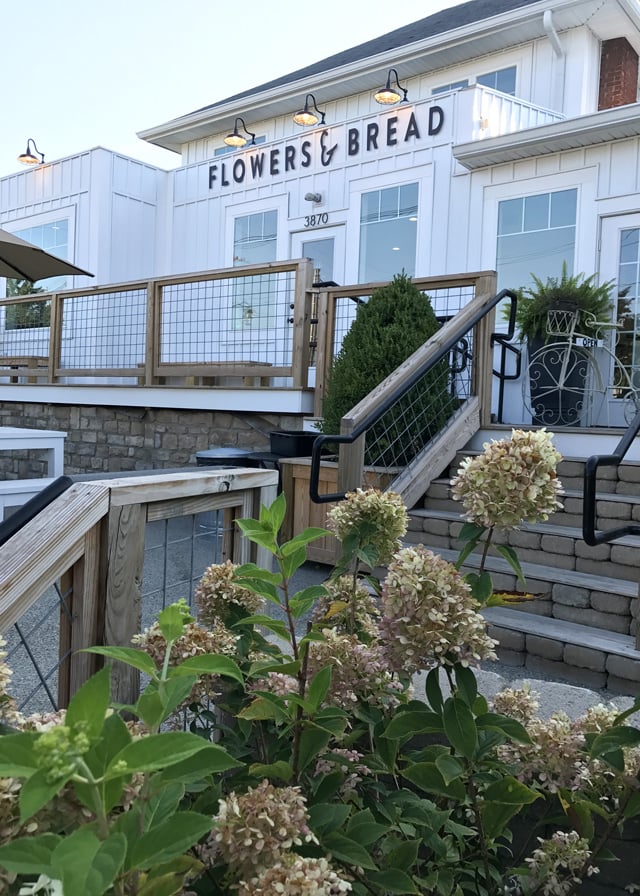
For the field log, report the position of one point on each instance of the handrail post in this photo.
(301, 323)
(325, 307)
(350, 459)
(55, 336)
(152, 335)
(483, 351)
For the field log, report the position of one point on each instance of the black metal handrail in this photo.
(589, 533)
(456, 335)
(504, 340)
(31, 508)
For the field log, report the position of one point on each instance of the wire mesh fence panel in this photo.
(234, 319)
(33, 654)
(177, 552)
(104, 331)
(25, 328)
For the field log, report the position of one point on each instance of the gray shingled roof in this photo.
(431, 26)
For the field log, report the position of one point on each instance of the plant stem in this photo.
(485, 549)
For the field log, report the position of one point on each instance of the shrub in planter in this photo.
(396, 321)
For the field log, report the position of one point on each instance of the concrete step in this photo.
(561, 546)
(549, 646)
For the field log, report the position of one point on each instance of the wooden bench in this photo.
(33, 364)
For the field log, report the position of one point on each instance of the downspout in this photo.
(559, 66)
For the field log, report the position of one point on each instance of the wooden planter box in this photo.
(302, 512)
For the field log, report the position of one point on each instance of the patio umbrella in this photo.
(24, 261)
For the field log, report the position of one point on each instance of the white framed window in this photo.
(453, 85)
(388, 232)
(503, 79)
(536, 235)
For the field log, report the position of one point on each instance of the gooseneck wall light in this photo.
(388, 95)
(310, 115)
(30, 158)
(238, 139)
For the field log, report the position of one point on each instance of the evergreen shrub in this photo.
(393, 324)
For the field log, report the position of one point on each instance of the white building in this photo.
(515, 146)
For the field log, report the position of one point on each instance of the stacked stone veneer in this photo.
(586, 613)
(118, 439)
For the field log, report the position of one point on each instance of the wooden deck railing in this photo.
(91, 541)
(250, 322)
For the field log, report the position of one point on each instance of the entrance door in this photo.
(325, 246)
(620, 262)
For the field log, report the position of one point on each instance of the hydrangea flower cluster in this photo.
(194, 641)
(348, 762)
(296, 876)
(360, 671)
(349, 610)
(379, 518)
(558, 864)
(512, 481)
(219, 598)
(253, 830)
(429, 617)
(9, 714)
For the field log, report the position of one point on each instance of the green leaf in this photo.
(282, 771)
(407, 724)
(276, 512)
(364, 829)
(433, 690)
(319, 688)
(171, 622)
(265, 707)
(496, 816)
(510, 792)
(312, 533)
(208, 664)
(168, 840)
(428, 778)
(614, 739)
(277, 626)
(511, 727)
(393, 882)
(449, 767)
(29, 855)
(481, 586)
(460, 726)
(129, 655)
(36, 792)
(17, 759)
(158, 751)
(511, 557)
(471, 532)
(289, 563)
(466, 683)
(89, 704)
(261, 667)
(259, 533)
(162, 804)
(346, 850)
(304, 600)
(326, 817)
(405, 855)
(150, 706)
(313, 742)
(85, 865)
(257, 573)
(197, 767)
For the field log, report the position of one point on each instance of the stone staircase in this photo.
(584, 621)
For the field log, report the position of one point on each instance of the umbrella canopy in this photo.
(24, 261)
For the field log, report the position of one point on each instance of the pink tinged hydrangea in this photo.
(296, 876)
(218, 595)
(382, 514)
(429, 617)
(557, 866)
(512, 481)
(252, 830)
(347, 609)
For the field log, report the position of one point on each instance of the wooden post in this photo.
(326, 316)
(125, 554)
(302, 324)
(152, 340)
(55, 336)
(351, 465)
(482, 380)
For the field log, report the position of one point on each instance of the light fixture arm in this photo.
(306, 116)
(398, 84)
(311, 97)
(236, 138)
(28, 157)
(388, 95)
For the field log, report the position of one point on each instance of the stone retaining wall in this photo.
(120, 439)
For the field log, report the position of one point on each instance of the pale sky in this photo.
(84, 73)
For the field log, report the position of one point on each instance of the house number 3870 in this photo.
(316, 220)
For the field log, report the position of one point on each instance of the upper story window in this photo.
(223, 150)
(536, 235)
(504, 80)
(454, 85)
(388, 232)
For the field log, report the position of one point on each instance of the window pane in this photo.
(389, 203)
(241, 229)
(369, 206)
(386, 249)
(629, 246)
(321, 253)
(270, 227)
(454, 85)
(540, 252)
(563, 208)
(536, 212)
(408, 200)
(510, 216)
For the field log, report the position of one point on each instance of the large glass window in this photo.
(503, 80)
(254, 242)
(53, 237)
(388, 228)
(536, 235)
